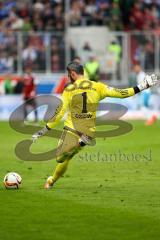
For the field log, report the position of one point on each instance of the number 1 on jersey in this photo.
(84, 108)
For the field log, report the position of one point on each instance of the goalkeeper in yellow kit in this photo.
(80, 100)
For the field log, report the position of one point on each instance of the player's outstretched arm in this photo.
(59, 113)
(148, 81)
(51, 123)
(54, 120)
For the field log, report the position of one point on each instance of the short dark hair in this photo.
(74, 66)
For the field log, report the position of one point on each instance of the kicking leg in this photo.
(68, 146)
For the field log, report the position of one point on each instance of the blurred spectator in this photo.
(92, 69)
(55, 63)
(116, 20)
(48, 14)
(73, 17)
(6, 62)
(116, 24)
(90, 7)
(115, 10)
(149, 18)
(29, 54)
(141, 100)
(7, 51)
(29, 93)
(57, 55)
(89, 11)
(149, 57)
(8, 84)
(4, 11)
(136, 17)
(38, 6)
(18, 89)
(156, 27)
(34, 50)
(126, 7)
(139, 55)
(27, 26)
(15, 22)
(103, 4)
(58, 20)
(140, 74)
(116, 50)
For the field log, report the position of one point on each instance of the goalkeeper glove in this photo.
(40, 133)
(148, 81)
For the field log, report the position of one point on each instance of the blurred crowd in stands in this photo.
(49, 16)
(117, 15)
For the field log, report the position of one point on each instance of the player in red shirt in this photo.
(29, 92)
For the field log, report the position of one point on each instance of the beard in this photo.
(71, 78)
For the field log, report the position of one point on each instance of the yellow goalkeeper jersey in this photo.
(80, 100)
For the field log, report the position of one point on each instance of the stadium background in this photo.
(96, 198)
(46, 35)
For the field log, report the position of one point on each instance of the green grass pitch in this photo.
(105, 200)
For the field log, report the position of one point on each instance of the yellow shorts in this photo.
(68, 146)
